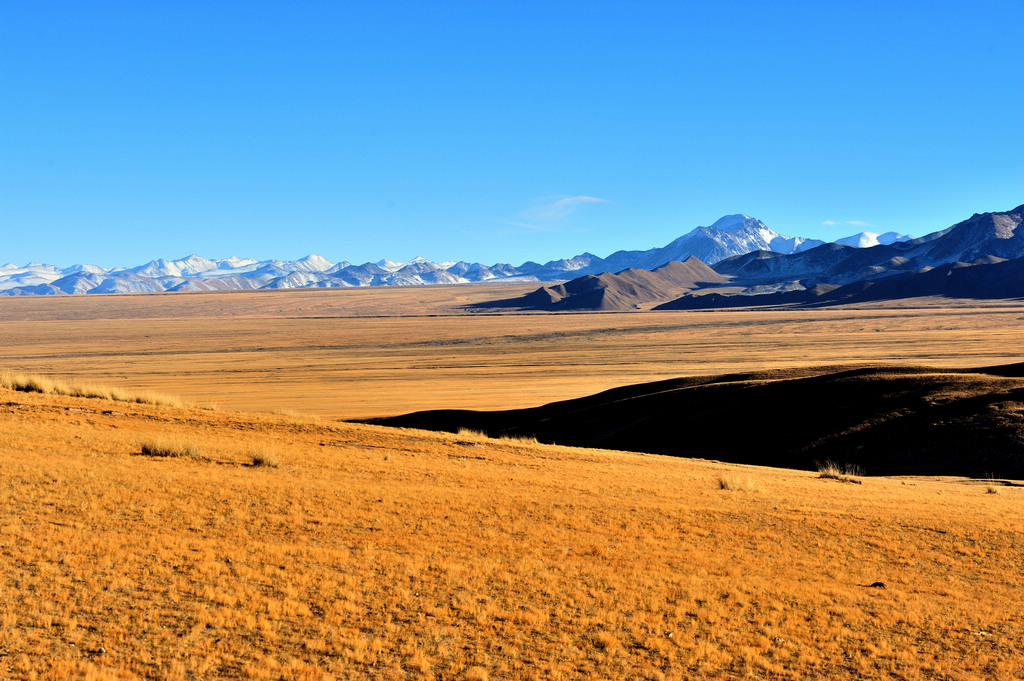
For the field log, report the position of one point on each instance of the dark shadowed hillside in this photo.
(887, 420)
(621, 291)
(987, 278)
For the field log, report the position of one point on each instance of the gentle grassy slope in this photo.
(371, 553)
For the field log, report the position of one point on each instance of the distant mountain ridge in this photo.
(729, 236)
(981, 257)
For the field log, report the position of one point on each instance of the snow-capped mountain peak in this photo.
(84, 269)
(314, 263)
(234, 262)
(389, 265)
(735, 223)
(194, 264)
(869, 239)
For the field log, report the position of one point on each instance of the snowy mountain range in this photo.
(981, 239)
(730, 236)
(981, 257)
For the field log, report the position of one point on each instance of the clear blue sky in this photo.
(494, 131)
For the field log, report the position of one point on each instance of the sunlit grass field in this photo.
(357, 353)
(240, 531)
(363, 552)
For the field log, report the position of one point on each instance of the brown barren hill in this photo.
(140, 541)
(625, 290)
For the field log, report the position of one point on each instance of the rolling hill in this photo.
(884, 420)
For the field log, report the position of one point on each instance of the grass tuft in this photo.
(469, 435)
(171, 449)
(518, 439)
(736, 484)
(264, 457)
(29, 383)
(843, 473)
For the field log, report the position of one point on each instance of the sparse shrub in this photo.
(736, 484)
(264, 457)
(843, 473)
(174, 449)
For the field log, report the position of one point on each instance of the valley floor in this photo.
(351, 353)
(377, 553)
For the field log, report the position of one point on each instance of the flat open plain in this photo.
(351, 353)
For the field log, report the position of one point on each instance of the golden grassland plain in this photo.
(365, 552)
(352, 353)
(141, 537)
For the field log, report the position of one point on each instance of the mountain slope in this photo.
(987, 278)
(981, 236)
(624, 290)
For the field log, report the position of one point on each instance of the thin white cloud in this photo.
(560, 209)
(829, 223)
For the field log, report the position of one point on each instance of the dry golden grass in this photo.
(176, 448)
(35, 383)
(734, 483)
(375, 553)
(841, 472)
(265, 456)
(370, 553)
(346, 353)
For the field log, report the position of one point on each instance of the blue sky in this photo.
(494, 131)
